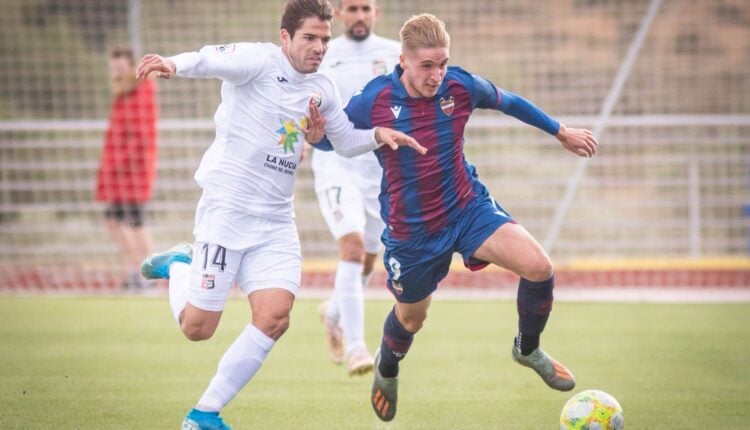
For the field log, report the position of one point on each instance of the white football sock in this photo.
(179, 282)
(238, 365)
(348, 295)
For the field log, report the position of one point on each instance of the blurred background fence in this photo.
(671, 180)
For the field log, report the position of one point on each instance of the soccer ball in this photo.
(592, 410)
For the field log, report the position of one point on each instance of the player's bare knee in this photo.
(353, 256)
(540, 271)
(197, 332)
(273, 325)
(352, 248)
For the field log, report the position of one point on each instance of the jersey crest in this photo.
(447, 104)
(317, 97)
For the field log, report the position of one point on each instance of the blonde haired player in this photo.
(348, 188)
(435, 205)
(244, 229)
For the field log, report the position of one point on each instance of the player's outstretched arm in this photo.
(395, 138)
(352, 141)
(163, 67)
(577, 140)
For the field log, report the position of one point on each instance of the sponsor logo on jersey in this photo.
(396, 111)
(447, 104)
(208, 282)
(289, 134)
(379, 68)
(281, 79)
(225, 49)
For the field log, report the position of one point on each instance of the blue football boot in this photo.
(156, 266)
(199, 420)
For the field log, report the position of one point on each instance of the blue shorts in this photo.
(416, 266)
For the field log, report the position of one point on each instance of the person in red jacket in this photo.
(128, 162)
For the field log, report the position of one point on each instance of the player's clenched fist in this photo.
(163, 67)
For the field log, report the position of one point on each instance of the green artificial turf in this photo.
(121, 363)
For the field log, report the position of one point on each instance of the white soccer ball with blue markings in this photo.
(592, 410)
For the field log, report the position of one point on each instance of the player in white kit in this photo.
(272, 101)
(348, 188)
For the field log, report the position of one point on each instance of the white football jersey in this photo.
(249, 169)
(351, 65)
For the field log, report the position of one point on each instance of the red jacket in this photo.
(128, 164)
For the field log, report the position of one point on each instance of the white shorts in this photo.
(348, 208)
(274, 261)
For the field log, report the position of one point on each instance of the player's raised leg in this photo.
(197, 288)
(513, 248)
(172, 264)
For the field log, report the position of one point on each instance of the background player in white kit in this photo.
(244, 225)
(348, 188)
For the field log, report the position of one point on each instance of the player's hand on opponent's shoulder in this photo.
(163, 67)
(394, 139)
(577, 140)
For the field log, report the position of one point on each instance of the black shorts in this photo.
(130, 214)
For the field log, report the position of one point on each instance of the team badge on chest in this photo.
(447, 104)
(317, 97)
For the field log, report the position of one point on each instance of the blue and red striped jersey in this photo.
(421, 194)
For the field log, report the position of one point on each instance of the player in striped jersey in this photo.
(435, 205)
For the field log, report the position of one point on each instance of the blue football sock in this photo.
(395, 345)
(534, 304)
